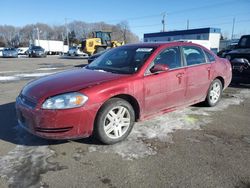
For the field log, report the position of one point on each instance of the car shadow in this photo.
(89, 141)
(11, 132)
(240, 82)
(72, 57)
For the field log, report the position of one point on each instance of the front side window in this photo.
(193, 55)
(37, 47)
(122, 60)
(170, 57)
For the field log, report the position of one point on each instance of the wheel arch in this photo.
(134, 103)
(221, 80)
(130, 99)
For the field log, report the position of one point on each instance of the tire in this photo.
(214, 93)
(108, 128)
(99, 49)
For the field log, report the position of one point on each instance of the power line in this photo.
(233, 29)
(152, 25)
(224, 23)
(201, 19)
(174, 12)
(136, 18)
(201, 7)
(210, 18)
(163, 21)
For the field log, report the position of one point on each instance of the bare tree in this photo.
(23, 36)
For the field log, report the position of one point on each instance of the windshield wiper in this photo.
(96, 68)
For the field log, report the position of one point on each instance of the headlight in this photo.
(34, 51)
(65, 101)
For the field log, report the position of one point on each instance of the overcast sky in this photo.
(143, 16)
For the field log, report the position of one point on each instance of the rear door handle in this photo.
(179, 75)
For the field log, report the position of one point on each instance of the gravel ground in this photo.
(191, 147)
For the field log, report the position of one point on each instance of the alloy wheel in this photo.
(117, 122)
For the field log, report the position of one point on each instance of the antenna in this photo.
(163, 21)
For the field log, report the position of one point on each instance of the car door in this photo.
(198, 71)
(164, 90)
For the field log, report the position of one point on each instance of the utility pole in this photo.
(67, 32)
(163, 21)
(187, 24)
(233, 29)
(38, 35)
(63, 43)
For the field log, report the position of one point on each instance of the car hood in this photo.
(67, 81)
(38, 50)
(240, 51)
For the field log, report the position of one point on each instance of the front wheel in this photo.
(214, 93)
(114, 121)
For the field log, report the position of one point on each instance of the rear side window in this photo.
(210, 57)
(194, 55)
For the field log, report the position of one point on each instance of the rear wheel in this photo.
(214, 93)
(114, 121)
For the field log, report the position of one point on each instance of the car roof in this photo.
(9, 48)
(245, 36)
(163, 44)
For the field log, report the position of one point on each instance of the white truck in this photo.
(52, 47)
(1, 51)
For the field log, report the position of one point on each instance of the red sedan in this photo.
(124, 85)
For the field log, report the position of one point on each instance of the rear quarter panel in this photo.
(222, 68)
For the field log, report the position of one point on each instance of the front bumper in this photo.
(55, 124)
(37, 54)
(240, 65)
(10, 55)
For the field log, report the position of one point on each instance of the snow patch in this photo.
(137, 145)
(45, 69)
(23, 166)
(3, 72)
(8, 78)
(24, 76)
(33, 75)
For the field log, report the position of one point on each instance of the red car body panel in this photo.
(151, 94)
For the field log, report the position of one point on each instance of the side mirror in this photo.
(159, 68)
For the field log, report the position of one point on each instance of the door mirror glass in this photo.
(159, 68)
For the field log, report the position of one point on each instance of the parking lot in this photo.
(191, 147)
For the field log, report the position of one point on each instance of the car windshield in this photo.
(37, 47)
(122, 60)
(72, 48)
(244, 42)
(9, 49)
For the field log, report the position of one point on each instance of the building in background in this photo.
(211, 35)
(228, 42)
